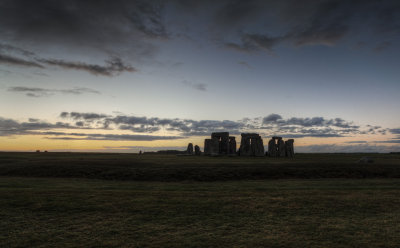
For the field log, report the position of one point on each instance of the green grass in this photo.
(127, 200)
(173, 168)
(56, 212)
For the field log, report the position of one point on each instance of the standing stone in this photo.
(232, 145)
(223, 140)
(281, 152)
(260, 147)
(272, 148)
(214, 146)
(251, 145)
(245, 145)
(189, 149)
(207, 146)
(197, 151)
(289, 147)
(211, 146)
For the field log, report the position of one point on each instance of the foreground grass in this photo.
(173, 168)
(45, 212)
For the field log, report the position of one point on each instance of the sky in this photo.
(124, 76)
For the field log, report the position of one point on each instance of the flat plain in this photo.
(127, 200)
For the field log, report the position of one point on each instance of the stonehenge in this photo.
(197, 151)
(289, 148)
(279, 148)
(211, 147)
(189, 149)
(232, 145)
(251, 145)
(220, 144)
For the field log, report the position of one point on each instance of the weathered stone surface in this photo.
(251, 145)
(189, 149)
(272, 148)
(211, 146)
(207, 146)
(232, 145)
(289, 148)
(215, 146)
(223, 139)
(260, 147)
(245, 146)
(197, 150)
(281, 152)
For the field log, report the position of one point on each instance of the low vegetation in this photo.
(173, 168)
(316, 200)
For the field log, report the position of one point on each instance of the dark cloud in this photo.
(15, 61)
(271, 125)
(255, 42)
(10, 127)
(10, 49)
(391, 141)
(84, 116)
(395, 130)
(131, 26)
(356, 142)
(113, 66)
(307, 22)
(271, 118)
(114, 137)
(307, 122)
(41, 92)
(80, 23)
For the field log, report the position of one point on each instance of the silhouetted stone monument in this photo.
(197, 151)
(279, 148)
(251, 145)
(189, 149)
(232, 145)
(272, 147)
(281, 152)
(289, 148)
(211, 146)
(223, 140)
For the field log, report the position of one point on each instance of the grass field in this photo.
(62, 200)
(173, 168)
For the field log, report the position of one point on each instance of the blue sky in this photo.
(164, 73)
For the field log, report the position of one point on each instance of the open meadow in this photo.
(127, 200)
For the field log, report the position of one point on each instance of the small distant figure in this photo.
(140, 152)
(37, 150)
(45, 151)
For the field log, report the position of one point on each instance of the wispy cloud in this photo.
(382, 46)
(15, 61)
(113, 66)
(196, 86)
(42, 92)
